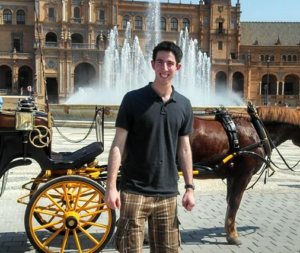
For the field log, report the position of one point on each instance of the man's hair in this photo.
(169, 47)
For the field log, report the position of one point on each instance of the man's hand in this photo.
(112, 199)
(188, 200)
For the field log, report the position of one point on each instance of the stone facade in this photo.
(73, 35)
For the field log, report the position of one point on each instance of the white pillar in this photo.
(282, 88)
(63, 11)
(259, 88)
(68, 77)
(90, 12)
(277, 88)
(61, 77)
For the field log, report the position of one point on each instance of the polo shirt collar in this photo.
(154, 95)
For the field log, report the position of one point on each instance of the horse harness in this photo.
(223, 116)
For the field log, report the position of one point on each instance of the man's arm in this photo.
(112, 196)
(186, 165)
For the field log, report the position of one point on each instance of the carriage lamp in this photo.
(24, 121)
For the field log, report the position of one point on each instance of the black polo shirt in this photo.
(153, 130)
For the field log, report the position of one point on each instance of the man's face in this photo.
(165, 66)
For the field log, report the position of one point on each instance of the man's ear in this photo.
(178, 66)
(152, 64)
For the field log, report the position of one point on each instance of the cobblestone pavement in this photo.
(268, 219)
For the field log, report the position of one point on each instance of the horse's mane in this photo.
(279, 114)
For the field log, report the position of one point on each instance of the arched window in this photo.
(267, 57)
(174, 24)
(102, 16)
(77, 18)
(289, 58)
(272, 58)
(163, 25)
(21, 17)
(186, 24)
(283, 58)
(262, 58)
(138, 23)
(294, 57)
(7, 17)
(126, 19)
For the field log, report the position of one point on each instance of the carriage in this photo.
(66, 211)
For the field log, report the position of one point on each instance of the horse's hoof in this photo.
(233, 241)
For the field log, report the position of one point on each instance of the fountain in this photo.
(126, 68)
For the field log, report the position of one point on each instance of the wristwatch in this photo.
(192, 186)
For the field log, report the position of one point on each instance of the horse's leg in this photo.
(236, 186)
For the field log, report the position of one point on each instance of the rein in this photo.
(253, 112)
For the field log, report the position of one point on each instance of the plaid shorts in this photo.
(163, 224)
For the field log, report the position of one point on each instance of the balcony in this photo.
(220, 31)
(76, 20)
(8, 55)
(84, 46)
(51, 44)
(51, 19)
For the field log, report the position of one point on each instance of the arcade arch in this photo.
(25, 79)
(6, 78)
(269, 88)
(84, 76)
(221, 82)
(238, 84)
(291, 85)
(52, 90)
(76, 38)
(51, 37)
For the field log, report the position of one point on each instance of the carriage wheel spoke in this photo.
(94, 224)
(95, 212)
(47, 225)
(55, 203)
(52, 236)
(77, 197)
(66, 197)
(77, 241)
(87, 202)
(88, 235)
(63, 246)
(49, 213)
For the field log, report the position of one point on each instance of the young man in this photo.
(154, 124)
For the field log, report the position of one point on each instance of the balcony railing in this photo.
(76, 20)
(50, 44)
(51, 19)
(220, 31)
(84, 46)
(8, 55)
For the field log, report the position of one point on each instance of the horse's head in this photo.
(282, 123)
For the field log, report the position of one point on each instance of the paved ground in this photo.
(268, 220)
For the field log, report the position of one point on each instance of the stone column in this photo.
(69, 81)
(260, 88)
(277, 88)
(63, 11)
(61, 77)
(15, 78)
(283, 88)
(90, 12)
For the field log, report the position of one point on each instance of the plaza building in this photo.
(60, 44)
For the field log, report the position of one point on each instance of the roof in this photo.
(268, 33)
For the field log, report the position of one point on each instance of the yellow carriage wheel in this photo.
(70, 202)
(43, 219)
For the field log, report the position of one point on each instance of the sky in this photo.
(264, 10)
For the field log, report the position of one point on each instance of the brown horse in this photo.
(210, 142)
